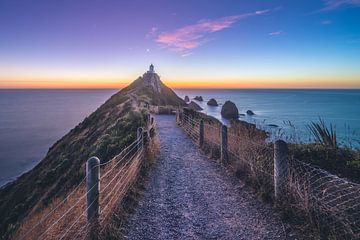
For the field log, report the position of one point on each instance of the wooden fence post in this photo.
(224, 144)
(181, 116)
(146, 137)
(280, 169)
(92, 197)
(139, 135)
(177, 116)
(148, 119)
(201, 137)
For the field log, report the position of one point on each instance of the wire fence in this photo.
(333, 202)
(191, 127)
(330, 203)
(67, 218)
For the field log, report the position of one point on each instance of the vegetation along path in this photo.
(189, 196)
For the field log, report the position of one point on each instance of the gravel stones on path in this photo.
(188, 196)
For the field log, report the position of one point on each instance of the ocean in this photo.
(33, 120)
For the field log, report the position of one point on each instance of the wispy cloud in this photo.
(192, 36)
(188, 54)
(276, 33)
(334, 4)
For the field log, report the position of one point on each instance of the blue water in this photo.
(32, 120)
(338, 107)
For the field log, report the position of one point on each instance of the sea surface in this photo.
(33, 120)
(286, 113)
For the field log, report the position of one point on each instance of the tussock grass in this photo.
(115, 202)
(323, 134)
(316, 203)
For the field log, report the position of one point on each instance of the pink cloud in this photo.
(192, 36)
(334, 4)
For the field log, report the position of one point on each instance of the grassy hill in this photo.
(103, 134)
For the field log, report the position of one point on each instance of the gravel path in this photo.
(189, 196)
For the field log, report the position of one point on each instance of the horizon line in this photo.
(200, 88)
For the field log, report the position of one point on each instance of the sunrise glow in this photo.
(307, 44)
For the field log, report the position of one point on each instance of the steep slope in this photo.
(150, 89)
(104, 133)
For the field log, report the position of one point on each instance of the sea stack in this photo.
(212, 102)
(250, 113)
(187, 99)
(229, 110)
(199, 98)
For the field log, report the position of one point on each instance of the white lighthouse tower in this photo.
(151, 69)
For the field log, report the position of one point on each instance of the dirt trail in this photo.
(189, 196)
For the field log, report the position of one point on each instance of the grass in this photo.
(104, 133)
(343, 162)
(251, 159)
(325, 135)
(114, 229)
(124, 169)
(250, 156)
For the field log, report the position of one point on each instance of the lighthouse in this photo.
(151, 69)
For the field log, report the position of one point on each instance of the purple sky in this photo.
(313, 43)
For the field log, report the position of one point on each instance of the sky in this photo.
(193, 44)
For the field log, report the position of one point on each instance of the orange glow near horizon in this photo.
(94, 83)
(265, 83)
(63, 84)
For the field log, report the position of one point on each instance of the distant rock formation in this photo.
(229, 110)
(194, 106)
(250, 113)
(212, 102)
(187, 99)
(199, 98)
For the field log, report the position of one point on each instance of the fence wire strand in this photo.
(67, 218)
(332, 202)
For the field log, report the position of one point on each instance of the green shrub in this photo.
(323, 134)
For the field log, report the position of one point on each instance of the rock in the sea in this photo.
(273, 125)
(187, 99)
(241, 115)
(249, 112)
(199, 98)
(212, 102)
(229, 110)
(194, 106)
